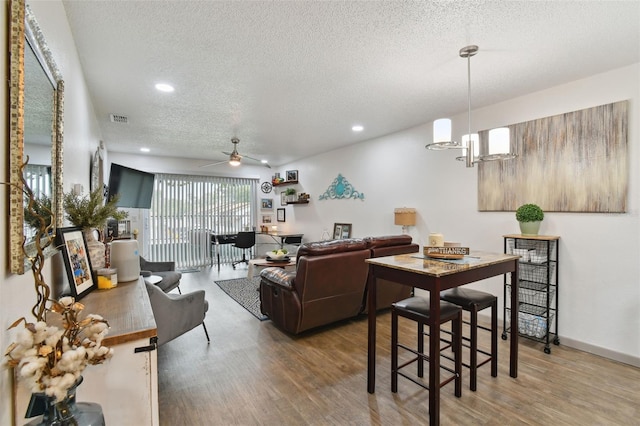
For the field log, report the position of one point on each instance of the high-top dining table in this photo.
(435, 275)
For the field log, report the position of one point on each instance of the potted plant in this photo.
(91, 213)
(529, 217)
(291, 195)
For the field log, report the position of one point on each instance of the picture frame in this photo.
(280, 215)
(266, 218)
(292, 176)
(283, 198)
(341, 231)
(266, 203)
(76, 261)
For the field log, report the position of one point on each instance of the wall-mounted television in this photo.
(134, 187)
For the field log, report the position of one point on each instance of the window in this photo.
(187, 210)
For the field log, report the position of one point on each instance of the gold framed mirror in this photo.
(36, 97)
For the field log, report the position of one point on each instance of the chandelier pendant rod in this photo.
(468, 52)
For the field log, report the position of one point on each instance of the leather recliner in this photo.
(327, 286)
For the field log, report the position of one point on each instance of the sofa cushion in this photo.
(389, 240)
(321, 248)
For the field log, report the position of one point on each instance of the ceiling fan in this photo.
(234, 157)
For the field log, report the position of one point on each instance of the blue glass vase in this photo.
(67, 412)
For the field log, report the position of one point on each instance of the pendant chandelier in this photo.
(499, 146)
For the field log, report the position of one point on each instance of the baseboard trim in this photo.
(600, 351)
(586, 347)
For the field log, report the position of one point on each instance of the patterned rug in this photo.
(243, 291)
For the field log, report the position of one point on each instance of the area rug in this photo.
(244, 291)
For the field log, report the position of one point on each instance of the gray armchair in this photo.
(165, 270)
(176, 314)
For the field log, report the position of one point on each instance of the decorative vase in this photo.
(529, 229)
(96, 249)
(66, 412)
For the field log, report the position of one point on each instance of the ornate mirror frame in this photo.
(24, 26)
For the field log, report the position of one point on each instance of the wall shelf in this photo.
(298, 202)
(287, 182)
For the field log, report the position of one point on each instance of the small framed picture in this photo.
(266, 218)
(292, 175)
(341, 231)
(283, 198)
(266, 204)
(76, 261)
(280, 216)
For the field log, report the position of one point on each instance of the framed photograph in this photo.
(292, 175)
(283, 198)
(76, 261)
(266, 218)
(266, 204)
(280, 216)
(341, 231)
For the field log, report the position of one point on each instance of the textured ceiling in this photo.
(289, 79)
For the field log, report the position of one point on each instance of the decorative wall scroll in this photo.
(341, 188)
(573, 162)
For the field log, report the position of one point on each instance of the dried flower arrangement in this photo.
(51, 359)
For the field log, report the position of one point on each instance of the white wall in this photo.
(81, 136)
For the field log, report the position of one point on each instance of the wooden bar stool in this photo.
(474, 301)
(417, 309)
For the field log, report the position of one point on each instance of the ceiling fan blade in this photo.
(259, 161)
(215, 164)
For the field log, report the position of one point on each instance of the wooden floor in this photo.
(254, 374)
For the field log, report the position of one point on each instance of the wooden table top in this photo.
(417, 263)
(127, 309)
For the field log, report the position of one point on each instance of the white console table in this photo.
(126, 386)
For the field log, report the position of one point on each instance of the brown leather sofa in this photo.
(329, 283)
(388, 292)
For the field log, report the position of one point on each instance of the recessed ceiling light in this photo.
(145, 150)
(163, 87)
(264, 161)
(357, 128)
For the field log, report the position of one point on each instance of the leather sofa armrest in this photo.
(279, 277)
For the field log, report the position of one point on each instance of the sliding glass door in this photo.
(187, 210)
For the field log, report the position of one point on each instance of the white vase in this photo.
(96, 249)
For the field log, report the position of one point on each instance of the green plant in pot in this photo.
(529, 217)
(90, 213)
(291, 194)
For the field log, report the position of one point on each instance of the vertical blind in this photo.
(38, 178)
(187, 210)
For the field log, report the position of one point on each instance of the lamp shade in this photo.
(405, 216)
(442, 130)
(499, 141)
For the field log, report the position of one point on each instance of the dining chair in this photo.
(417, 309)
(474, 301)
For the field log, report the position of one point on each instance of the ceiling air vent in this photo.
(122, 119)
